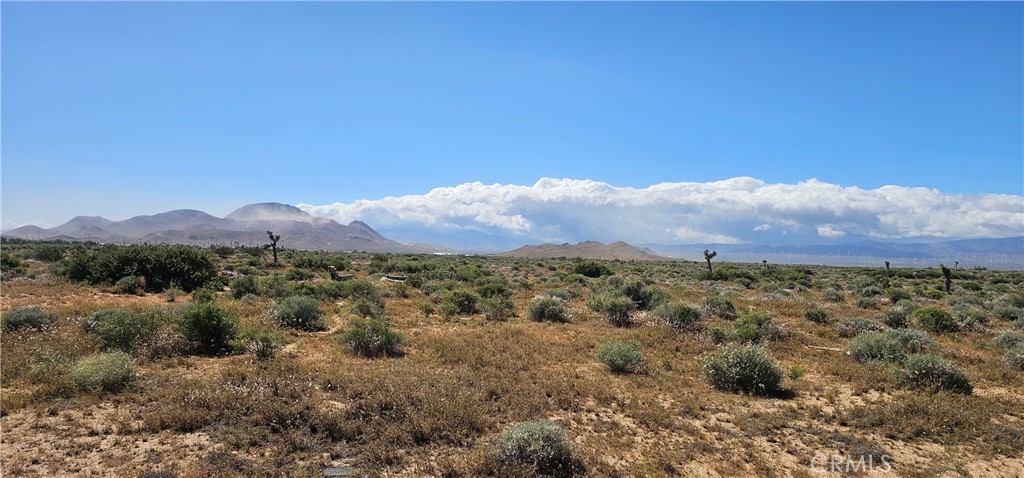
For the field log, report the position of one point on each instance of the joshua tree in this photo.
(708, 255)
(888, 272)
(956, 265)
(948, 275)
(764, 262)
(273, 243)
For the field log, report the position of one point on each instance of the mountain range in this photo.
(247, 225)
(587, 250)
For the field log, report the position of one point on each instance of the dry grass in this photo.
(436, 410)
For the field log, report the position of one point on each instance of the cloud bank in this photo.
(729, 211)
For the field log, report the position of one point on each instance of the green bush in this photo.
(644, 296)
(373, 338)
(462, 301)
(542, 445)
(615, 308)
(854, 326)
(746, 369)
(162, 266)
(109, 372)
(28, 317)
(1009, 339)
(203, 296)
(244, 285)
(1009, 313)
(209, 328)
(721, 307)
(818, 316)
(498, 308)
(1015, 356)
(592, 269)
(131, 285)
(867, 302)
(834, 295)
(750, 325)
(931, 372)
(678, 315)
(890, 346)
(898, 294)
(263, 343)
(367, 310)
(299, 312)
(547, 310)
(621, 357)
(123, 330)
(935, 320)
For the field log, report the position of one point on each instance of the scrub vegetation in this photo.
(422, 365)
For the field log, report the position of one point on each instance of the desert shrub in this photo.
(493, 287)
(1018, 324)
(853, 326)
(750, 325)
(547, 310)
(1014, 356)
(462, 301)
(898, 294)
(592, 269)
(563, 294)
(1009, 339)
(818, 316)
(366, 309)
(935, 320)
(297, 274)
(299, 312)
(498, 308)
(1009, 313)
(109, 372)
(275, 286)
(931, 372)
(621, 357)
(678, 315)
(887, 346)
(615, 308)
(122, 330)
(542, 445)
(834, 295)
(747, 369)
(28, 317)
(970, 318)
(644, 296)
(262, 342)
(49, 253)
(867, 302)
(207, 327)
(173, 293)
(721, 307)
(131, 285)
(203, 296)
(373, 338)
(244, 285)
(162, 266)
(896, 318)
(870, 291)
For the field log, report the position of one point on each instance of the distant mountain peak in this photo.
(586, 250)
(269, 211)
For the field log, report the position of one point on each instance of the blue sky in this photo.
(119, 109)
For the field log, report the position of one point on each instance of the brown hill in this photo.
(587, 250)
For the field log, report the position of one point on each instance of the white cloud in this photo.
(830, 231)
(726, 211)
